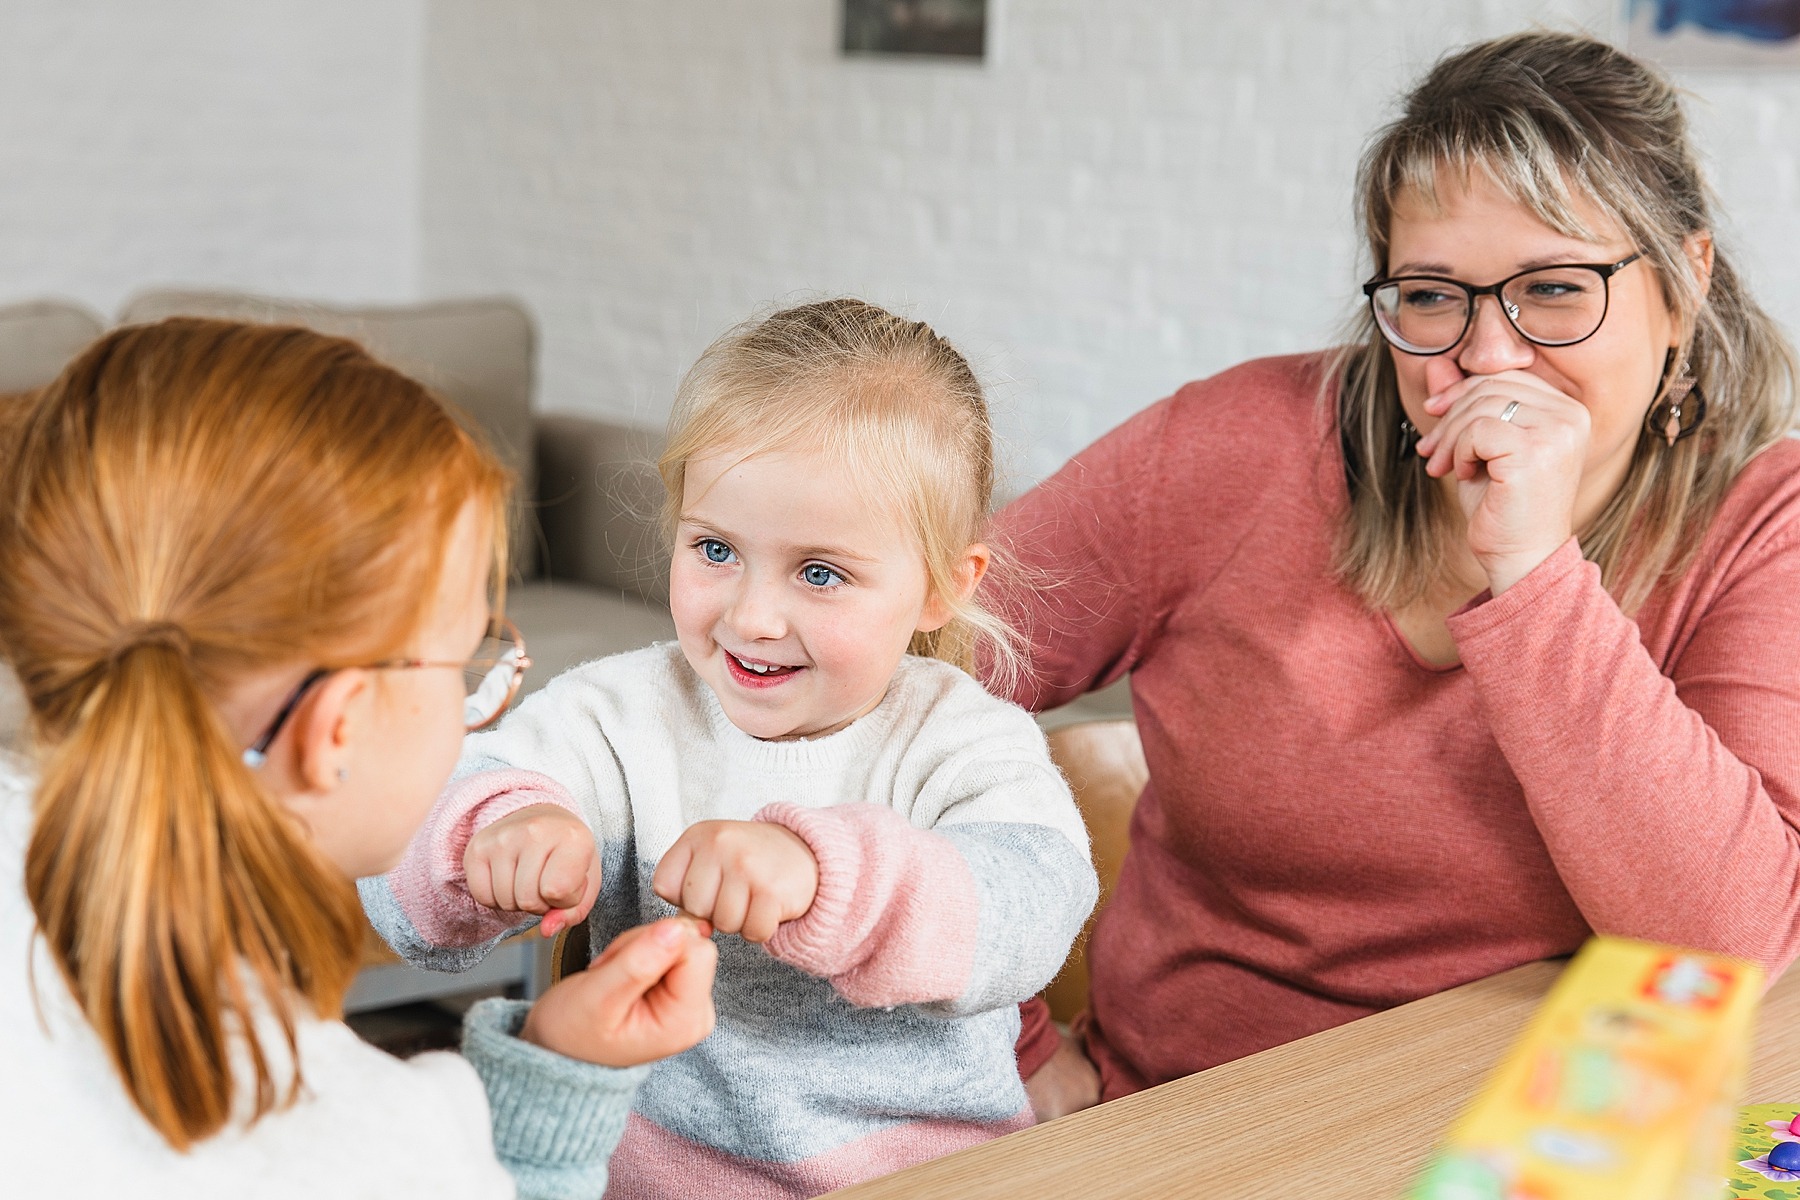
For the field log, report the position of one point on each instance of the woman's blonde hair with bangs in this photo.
(895, 401)
(189, 504)
(1554, 120)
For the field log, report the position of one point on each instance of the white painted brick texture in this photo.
(272, 146)
(1128, 194)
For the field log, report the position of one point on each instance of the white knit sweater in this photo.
(367, 1125)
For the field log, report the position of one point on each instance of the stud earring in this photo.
(1680, 408)
(343, 774)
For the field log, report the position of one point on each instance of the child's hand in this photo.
(1068, 1082)
(746, 877)
(541, 859)
(649, 995)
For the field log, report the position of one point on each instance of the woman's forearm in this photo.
(1669, 812)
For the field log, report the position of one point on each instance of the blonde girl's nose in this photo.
(755, 611)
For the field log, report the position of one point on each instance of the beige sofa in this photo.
(585, 541)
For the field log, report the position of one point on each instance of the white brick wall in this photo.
(1128, 194)
(271, 146)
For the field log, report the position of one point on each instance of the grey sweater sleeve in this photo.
(556, 1120)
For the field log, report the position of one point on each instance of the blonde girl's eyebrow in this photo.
(831, 553)
(690, 525)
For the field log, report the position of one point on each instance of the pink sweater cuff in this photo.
(429, 882)
(1487, 611)
(894, 920)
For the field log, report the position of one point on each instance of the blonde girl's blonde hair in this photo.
(1555, 120)
(895, 401)
(189, 504)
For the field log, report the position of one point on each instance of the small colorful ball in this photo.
(1785, 1156)
(1794, 1125)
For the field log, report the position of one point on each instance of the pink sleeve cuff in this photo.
(1487, 611)
(429, 882)
(894, 920)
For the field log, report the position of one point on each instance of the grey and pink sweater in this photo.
(876, 1031)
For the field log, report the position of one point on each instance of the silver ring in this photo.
(1507, 413)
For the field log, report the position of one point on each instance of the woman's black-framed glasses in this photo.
(490, 681)
(1548, 306)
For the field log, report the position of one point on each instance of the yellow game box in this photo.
(1623, 1086)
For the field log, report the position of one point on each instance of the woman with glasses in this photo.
(1463, 642)
(245, 580)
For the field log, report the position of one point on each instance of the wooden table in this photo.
(1351, 1112)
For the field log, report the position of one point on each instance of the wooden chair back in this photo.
(1104, 764)
(569, 953)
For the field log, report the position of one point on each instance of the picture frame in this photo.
(934, 28)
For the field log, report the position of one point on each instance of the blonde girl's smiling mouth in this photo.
(755, 673)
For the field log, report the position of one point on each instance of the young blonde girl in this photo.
(810, 768)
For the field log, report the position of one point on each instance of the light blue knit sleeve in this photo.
(556, 1120)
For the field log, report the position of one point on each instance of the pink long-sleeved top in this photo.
(1333, 826)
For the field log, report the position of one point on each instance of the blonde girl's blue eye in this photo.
(715, 551)
(820, 576)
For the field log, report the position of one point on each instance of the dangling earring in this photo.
(1681, 407)
(1409, 436)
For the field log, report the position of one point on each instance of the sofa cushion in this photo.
(600, 504)
(567, 624)
(38, 339)
(12, 710)
(478, 354)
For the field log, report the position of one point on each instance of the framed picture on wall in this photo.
(1715, 33)
(956, 28)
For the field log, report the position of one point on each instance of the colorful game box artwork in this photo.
(1765, 1154)
(1622, 1087)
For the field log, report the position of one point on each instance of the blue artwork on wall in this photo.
(1759, 20)
(1716, 33)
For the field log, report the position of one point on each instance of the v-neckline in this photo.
(1412, 652)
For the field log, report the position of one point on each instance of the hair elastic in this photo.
(156, 633)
